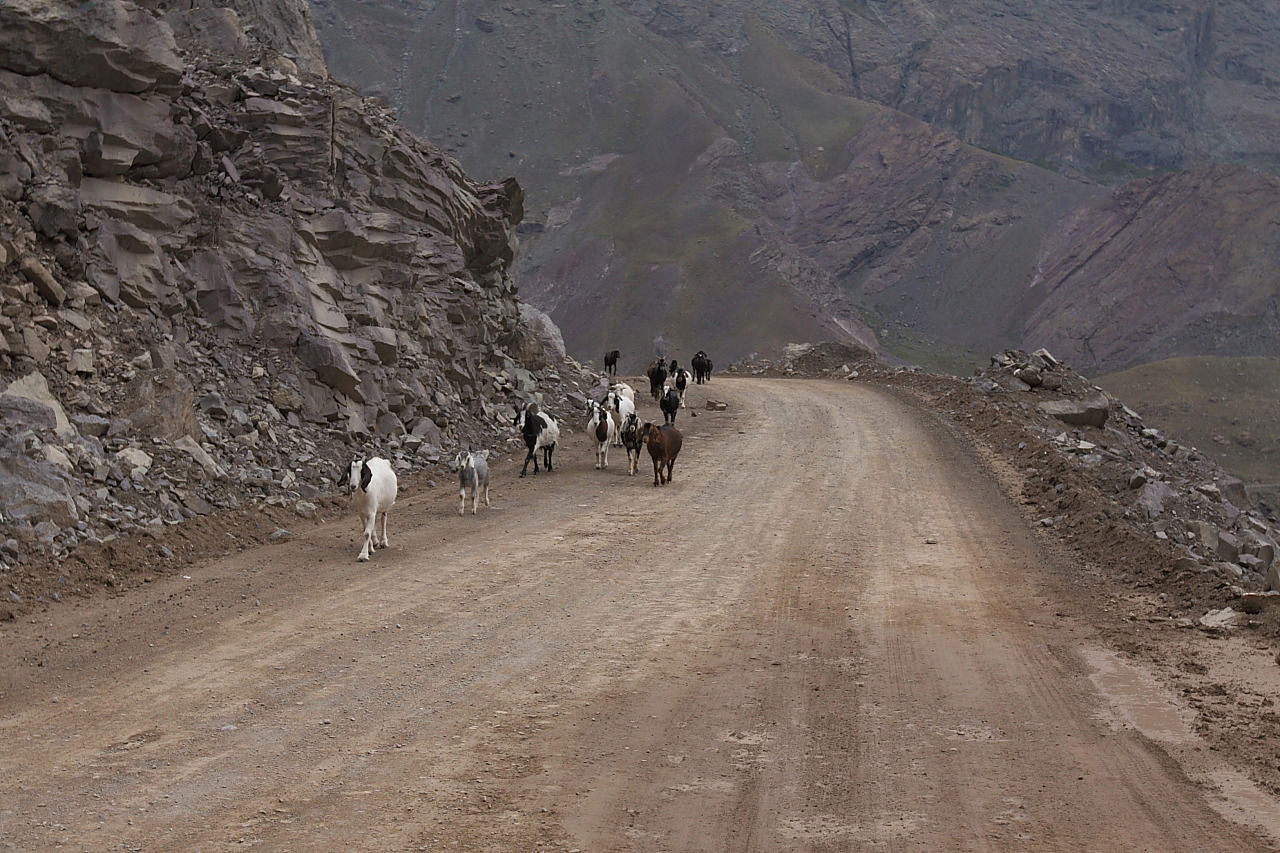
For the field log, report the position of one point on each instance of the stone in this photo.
(117, 45)
(188, 445)
(1152, 497)
(1257, 602)
(35, 387)
(161, 404)
(1209, 490)
(1233, 490)
(1137, 479)
(34, 490)
(286, 399)
(81, 361)
(331, 365)
(1219, 619)
(22, 413)
(1030, 375)
(1228, 547)
(1251, 562)
(384, 343)
(135, 459)
(717, 405)
(1092, 411)
(389, 424)
(43, 281)
(306, 509)
(56, 456)
(91, 425)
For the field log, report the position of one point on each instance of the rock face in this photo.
(215, 258)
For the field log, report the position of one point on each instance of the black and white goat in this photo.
(473, 476)
(540, 432)
(603, 431)
(372, 485)
(619, 406)
(631, 440)
(680, 380)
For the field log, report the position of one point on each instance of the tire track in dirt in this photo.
(768, 654)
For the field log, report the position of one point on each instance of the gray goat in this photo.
(473, 475)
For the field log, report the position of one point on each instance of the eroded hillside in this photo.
(737, 174)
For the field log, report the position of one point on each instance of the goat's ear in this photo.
(366, 476)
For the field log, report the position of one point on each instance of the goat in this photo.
(670, 404)
(620, 406)
(622, 389)
(473, 476)
(604, 431)
(630, 433)
(701, 367)
(611, 362)
(540, 432)
(672, 367)
(664, 446)
(681, 381)
(372, 485)
(657, 374)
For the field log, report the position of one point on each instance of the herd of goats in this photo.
(612, 422)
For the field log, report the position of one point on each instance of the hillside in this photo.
(696, 168)
(1226, 407)
(225, 275)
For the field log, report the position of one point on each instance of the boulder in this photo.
(189, 446)
(43, 281)
(91, 425)
(1228, 547)
(135, 459)
(21, 413)
(332, 367)
(1152, 497)
(161, 404)
(1091, 411)
(116, 44)
(537, 342)
(35, 490)
(34, 387)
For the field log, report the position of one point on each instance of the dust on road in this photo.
(830, 632)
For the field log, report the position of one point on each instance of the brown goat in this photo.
(664, 446)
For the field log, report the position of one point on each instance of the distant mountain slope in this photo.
(722, 175)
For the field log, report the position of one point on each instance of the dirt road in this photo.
(831, 632)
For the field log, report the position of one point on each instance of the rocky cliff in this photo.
(224, 273)
(735, 174)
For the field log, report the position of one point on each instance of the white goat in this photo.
(620, 406)
(473, 475)
(603, 430)
(372, 485)
(624, 390)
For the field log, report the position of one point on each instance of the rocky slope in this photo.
(224, 274)
(737, 174)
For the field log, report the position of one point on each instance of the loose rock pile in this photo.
(223, 274)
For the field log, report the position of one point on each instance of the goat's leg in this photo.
(486, 494)
(656, 473)
(386, 541)
(368, 539)
(462, 500)
(527, 457)
(547, 452)
(475, 499)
